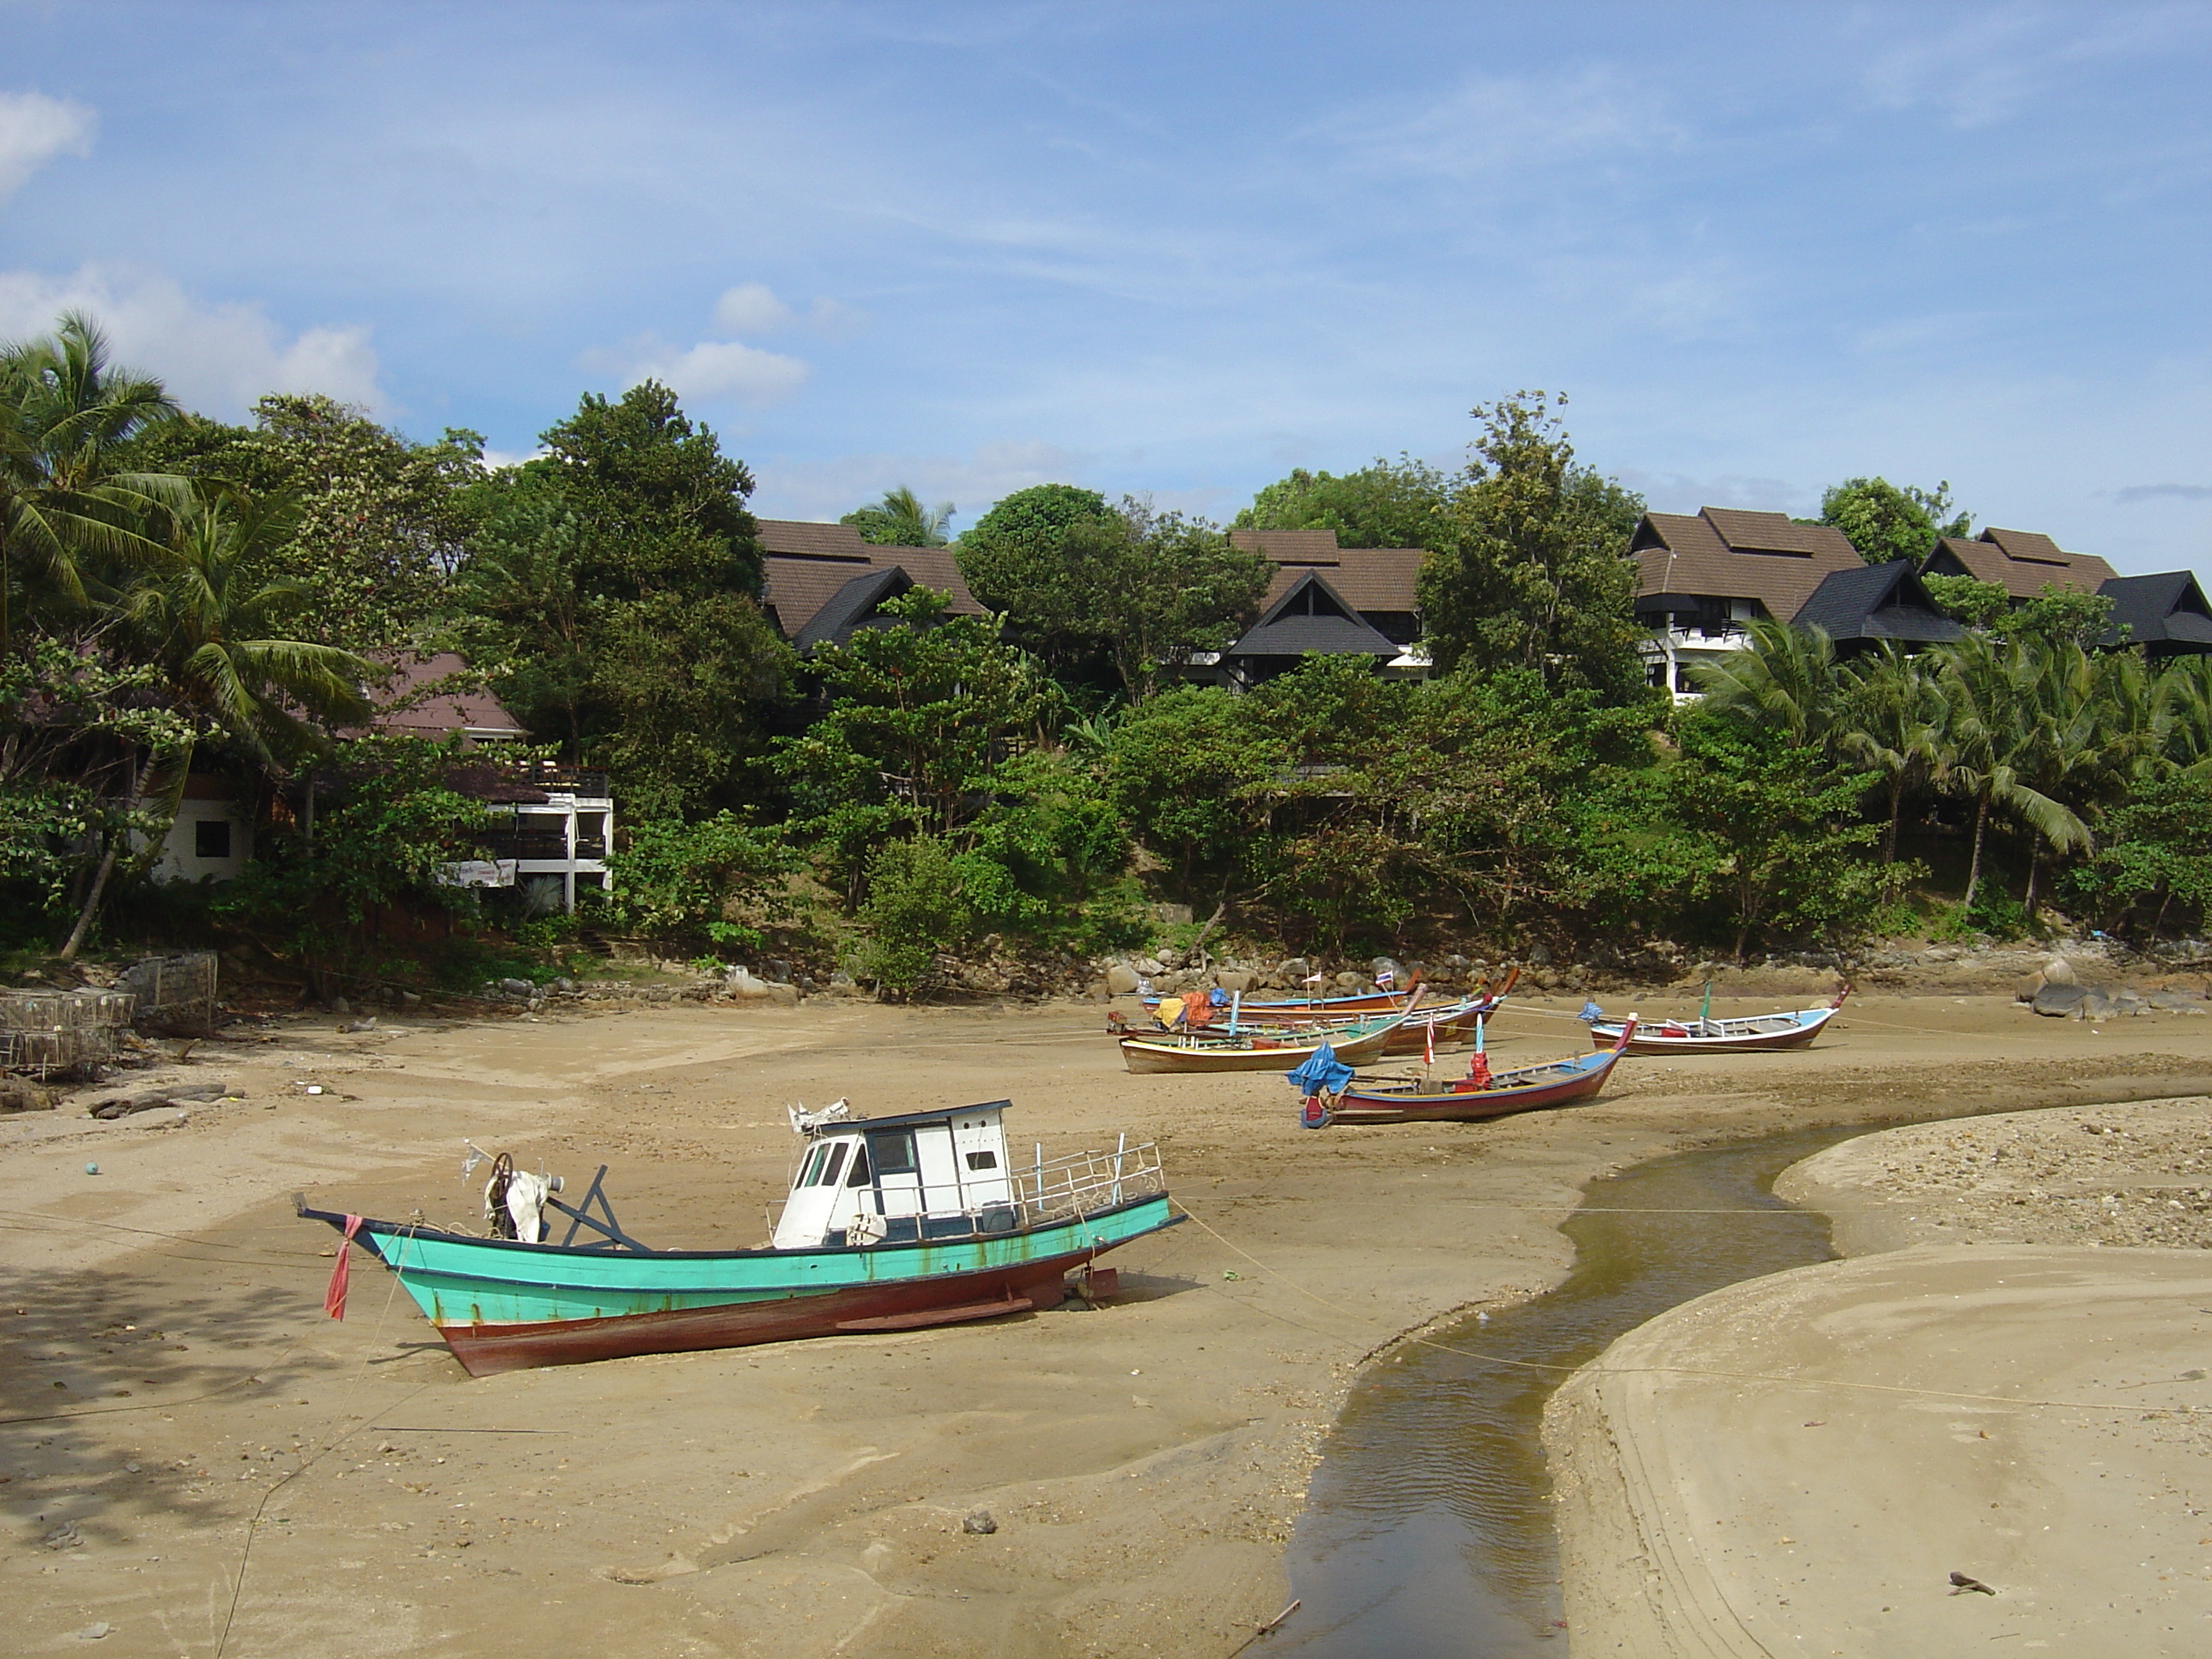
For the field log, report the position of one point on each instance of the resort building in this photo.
(1703, 577)
(1337, 601)
(2165, 614)
(2021, 561)
(821, 581)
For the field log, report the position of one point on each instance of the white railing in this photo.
(1085, 1181)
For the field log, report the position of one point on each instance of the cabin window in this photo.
(811, 1175)
(860, 1175)
(894, 1153)
(836, 1162)
(982, 1160)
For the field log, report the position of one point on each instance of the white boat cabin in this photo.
(894, 1179)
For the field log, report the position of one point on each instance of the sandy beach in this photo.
(168, 1376)
(2006, 1378)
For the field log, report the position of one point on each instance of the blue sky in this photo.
(1174, 248)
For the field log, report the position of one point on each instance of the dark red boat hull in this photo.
(484, 1350)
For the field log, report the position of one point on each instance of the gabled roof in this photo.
(1371, 578)
(1312, 617)
(474, 713)
(804, 564)
(2167, 609)
(851, 606)
(1877, 602)
(2021, 561)
(1728, 553)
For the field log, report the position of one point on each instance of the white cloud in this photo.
(34, 129)
(215, 358)
(1497, 127)
(716, 369)
(751, 308)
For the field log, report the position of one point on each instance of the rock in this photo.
(1292, 969)
(1172, 915)
(1167, 984)
(1234, 979)
(516, 987)
(2025, 990)
(94, 1632)
(2057, 1001)
(19, 1094)
(340, 1006)
(978, 1523)
(1121, 979)
(2057, 971)
(409, 1000)
(564, 984)
(368, 1024)
(1392, 967)
(2176, 1002)
(1149, 967)
(1539, 956)
(1348, 980)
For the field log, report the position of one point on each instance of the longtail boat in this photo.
(1454, 1021)
(891, 1224)
(1210, 1050)
(1303, 1011)
(1704, 1034)
(1523, 1089)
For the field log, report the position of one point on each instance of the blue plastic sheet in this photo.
(1321, 1071)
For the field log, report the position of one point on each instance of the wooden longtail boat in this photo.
(1303, 1010)
(1524, 1089)
(891, 1224)
(1725, 1037)
(1453, 1020)
(1211, 1050)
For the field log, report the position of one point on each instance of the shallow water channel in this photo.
(1428, 1528)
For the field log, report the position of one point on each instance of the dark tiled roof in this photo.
(1371, 580)
(1725, 553)
(1876, 602)
(807, 563)
(2021, 561)
(2167, 609)
(851, 605)
(1312, 617)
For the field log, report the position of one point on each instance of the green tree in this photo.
(2061, 616)
(900, 520)
(1784, 681)
(1150, 588)
(377, 522)
(1180, 770)
(675, 882)
(1965, 598)
(1987, 753)
(2157, 850)
(914, 911)
(612, 595)
(1892, 723)
(1010, 557)
(70, 499)
(1528, 569)
(1389, 504)
(1887, 521)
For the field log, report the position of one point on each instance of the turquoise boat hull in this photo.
(505, 1306)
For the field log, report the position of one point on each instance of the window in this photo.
(860, 1175)
(211, 838)
(836, 1162)
(811, 1175)
(982, 1160)
(893, 1151)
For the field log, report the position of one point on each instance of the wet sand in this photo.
(2006, 1378)
(1143, 1462)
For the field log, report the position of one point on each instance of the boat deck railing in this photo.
(1083, 1182)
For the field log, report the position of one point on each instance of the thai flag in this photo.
(1385, 977)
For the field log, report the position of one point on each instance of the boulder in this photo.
(1539, 956)
(2057, 971)
(1234, 979)
(1121, 979)
(2057, 1001)
(1149, 967)
(1348, 980)
(19, 1094)
(1389, 965)
(339, 1006)
(1292, 969)
(516, 987)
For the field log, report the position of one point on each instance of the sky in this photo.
(1174, 250)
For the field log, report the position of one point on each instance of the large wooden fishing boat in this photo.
(1707, 1036)
(1523, 1089)
(891, 1224)
(1210, 1050)
(1306, 1011)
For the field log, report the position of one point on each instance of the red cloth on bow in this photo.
(334, 1299)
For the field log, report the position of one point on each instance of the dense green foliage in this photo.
(180, 596)
(1887, 521)
(1389, 504)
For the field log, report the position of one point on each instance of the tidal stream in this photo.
(1428, 1528)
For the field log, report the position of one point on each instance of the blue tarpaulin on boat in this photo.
(1321, 1071)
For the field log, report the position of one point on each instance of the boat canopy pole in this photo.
(609, 1229)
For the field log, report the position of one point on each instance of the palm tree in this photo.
(1892, 720)
(2181, 697)
(1786, 679)
(1988, 750)
(217, 628)
(63, 412)
(900, 520)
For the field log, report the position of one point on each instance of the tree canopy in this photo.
(1398, 503)
(1887, 521)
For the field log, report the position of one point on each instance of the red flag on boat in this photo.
(334, 1299)
(1429, 1042)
